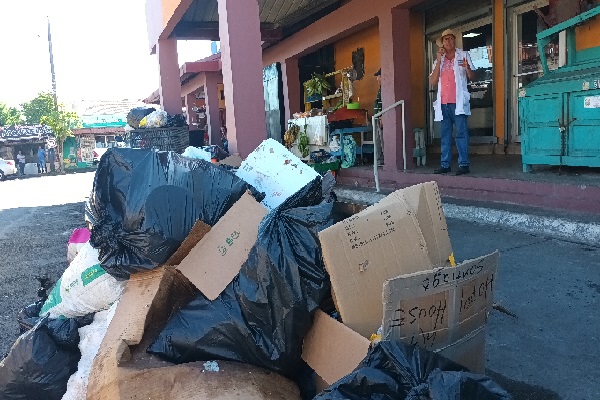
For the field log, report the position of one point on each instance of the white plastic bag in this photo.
(198, 153)
(156, 119)
(84, 288)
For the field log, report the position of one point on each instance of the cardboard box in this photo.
(405, 232)
(122, 370)
(217, 258)
(332, 349)
(444, 310)
(400, 242)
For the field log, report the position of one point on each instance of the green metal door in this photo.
(542, 136)
(583, 133)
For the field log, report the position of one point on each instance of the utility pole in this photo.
(52, 67)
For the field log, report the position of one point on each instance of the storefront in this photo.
(501, 39)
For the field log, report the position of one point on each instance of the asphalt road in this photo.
(547, 350)
(37, 216)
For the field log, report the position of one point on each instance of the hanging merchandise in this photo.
(349, 156)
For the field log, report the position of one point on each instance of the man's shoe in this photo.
(442, 170)
(462, 170)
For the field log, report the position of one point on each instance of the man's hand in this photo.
(441, 52)
(468, 70)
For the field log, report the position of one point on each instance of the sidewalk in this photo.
(565, 225)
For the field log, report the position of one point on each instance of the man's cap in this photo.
(378, 73)
(440, 40)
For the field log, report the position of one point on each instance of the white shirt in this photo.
(21, 158)
(463, 105)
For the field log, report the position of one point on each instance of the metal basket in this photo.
(166, 139)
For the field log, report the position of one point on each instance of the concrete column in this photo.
(291, 87)
(189, 103)
(211, 98)
(241, 58)
(169, 85)
(394, 33)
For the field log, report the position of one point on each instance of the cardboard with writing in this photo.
(379, 243)
(443, 310)
(218, 257)
(332, 349)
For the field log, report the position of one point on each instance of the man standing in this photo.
(41, 160)
(21, 160)
(452, 68)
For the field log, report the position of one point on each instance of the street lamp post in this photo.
(52, 67)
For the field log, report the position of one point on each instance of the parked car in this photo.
(7, 167)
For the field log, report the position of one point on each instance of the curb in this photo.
(560, 228)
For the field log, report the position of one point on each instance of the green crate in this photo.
(323, 168)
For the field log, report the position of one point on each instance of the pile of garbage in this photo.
(201, 280)
(150, 117)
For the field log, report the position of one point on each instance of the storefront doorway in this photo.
(476, 38)
(524, 67)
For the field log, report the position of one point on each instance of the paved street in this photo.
(549, 350)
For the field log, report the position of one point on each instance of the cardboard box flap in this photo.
(143, 310)
(363, 251)
(425, 201)
(218, 257)
(441, 308)
(332, 349)
(196, 234)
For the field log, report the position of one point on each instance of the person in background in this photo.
(224, 139)
(41, 160)
(452, 69)
(21, 162)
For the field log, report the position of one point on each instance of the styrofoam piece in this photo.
(195, 152)
(273, 169)
(91, 337)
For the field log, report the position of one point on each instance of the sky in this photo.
(100, 49)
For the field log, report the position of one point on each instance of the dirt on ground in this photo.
(33, 242)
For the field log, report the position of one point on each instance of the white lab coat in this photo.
(463, 105)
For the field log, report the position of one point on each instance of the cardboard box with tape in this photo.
(378, 260)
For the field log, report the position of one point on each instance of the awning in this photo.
(25, 133)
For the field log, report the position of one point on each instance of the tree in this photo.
(34, 110)
(9, 115)
(61, 123)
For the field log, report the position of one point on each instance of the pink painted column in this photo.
(189, 103)
(169, 85)
(211, 98)
(394, 33)
(241, 58)
(291, 87)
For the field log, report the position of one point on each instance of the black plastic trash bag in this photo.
(144, 203)
(397, 371)
(137, 114)
(263, 315)
(41, 361)
(175, 121)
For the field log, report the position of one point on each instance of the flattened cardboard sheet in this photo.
(381, 242)
(443, 310)
(332, 349)
(218, 257)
